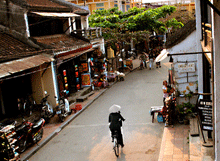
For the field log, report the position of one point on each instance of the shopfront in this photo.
(74, 72)
(19, 81)
(12, 90)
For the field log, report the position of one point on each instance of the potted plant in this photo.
(184, 112)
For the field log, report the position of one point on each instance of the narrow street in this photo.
(87, 138)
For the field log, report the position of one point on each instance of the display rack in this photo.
(8, 144)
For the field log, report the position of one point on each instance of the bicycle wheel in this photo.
(116, 147)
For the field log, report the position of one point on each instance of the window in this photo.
(99, 5)
(127, 7)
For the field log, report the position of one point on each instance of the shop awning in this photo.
(74, 55)
(53, 14)
(8, 68)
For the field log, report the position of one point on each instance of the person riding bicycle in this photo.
(115, 120)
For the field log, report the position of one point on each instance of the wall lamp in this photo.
(175, 54)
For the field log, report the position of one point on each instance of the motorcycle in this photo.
(29, 133)
(63, 108)
(132, 54)
(26, 105)
(47, 111)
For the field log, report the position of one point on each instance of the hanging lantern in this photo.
(65, 79)
(64, 72)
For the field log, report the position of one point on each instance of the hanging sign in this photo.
(186, 67)
(205, 113)
(86, 79)
(85, 67)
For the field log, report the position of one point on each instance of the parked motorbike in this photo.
(47, 111)
(132, 54)
(63, 108)
(26, 105)
(29, 133)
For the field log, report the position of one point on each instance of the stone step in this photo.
(84, 97)
(194, 127)
(198, 150)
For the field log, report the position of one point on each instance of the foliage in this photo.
(185, 109)
(136, 23)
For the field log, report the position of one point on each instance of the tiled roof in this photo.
(61, 42)
(50, 5)
(43, 3)
(11, 48)
(75, 8)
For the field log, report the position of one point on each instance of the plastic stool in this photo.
(78, 107)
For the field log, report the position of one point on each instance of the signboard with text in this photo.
(186, 67)
(205, 113)
(86, 79)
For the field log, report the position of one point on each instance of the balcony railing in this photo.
(90, 33)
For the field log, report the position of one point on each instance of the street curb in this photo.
(35, 149)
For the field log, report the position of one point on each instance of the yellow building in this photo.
(92, 5)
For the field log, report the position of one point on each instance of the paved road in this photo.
(87, 138)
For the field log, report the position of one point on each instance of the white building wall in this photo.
(44, 81)
(48, 85)
(84, 22)
(199, 46)
(183, 79)
(37, 89)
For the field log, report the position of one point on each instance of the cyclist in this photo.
(115, 120)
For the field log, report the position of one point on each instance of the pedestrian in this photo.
(165, 91)
(151, 59)
(143, 57)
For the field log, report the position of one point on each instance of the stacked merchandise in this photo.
(8, 144)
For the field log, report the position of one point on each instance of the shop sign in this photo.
(186, 67)
(84, 67)
(86, 79)
(205, 113)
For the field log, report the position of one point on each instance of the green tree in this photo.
(136, 23)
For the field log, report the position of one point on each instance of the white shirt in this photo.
(165, 95)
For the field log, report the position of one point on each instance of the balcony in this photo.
(89, 34)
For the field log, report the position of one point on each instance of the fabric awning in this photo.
(53, 14)
(19, 65)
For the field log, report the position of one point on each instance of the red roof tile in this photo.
(11, 48)
(61, 42)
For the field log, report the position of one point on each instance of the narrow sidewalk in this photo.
(175, 143)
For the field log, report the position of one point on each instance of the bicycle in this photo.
(115, 143)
